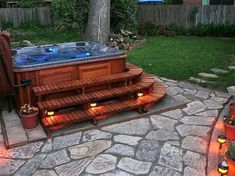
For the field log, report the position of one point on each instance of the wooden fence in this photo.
(186, 15)
(181, 15)
(17, 16)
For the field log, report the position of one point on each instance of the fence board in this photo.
(17, 16)
(186, 15)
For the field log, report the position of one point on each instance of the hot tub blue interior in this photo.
(61, 53)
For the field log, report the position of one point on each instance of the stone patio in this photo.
(172, 143)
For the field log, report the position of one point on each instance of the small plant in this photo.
(229, 120)
(231, 152)
(28, 109)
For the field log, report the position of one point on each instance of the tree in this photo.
(98, 26)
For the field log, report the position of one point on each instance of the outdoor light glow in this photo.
(223, 168)
(93, 105)
(140, 94)
(221, 139)
(50, 113)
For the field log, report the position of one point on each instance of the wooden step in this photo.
(97, 113)
(133, 72)
(58, 103)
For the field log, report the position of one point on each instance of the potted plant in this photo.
(232, 110)
(29, 116)
(229, 127)
(230, 156)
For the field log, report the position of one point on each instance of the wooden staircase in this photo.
(65, 103)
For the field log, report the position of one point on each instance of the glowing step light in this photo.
(50, 113)
(140, 94)
(93, 105)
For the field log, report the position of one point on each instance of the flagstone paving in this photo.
(172, 143)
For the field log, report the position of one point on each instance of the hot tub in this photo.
(55, 63)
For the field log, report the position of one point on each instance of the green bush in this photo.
(173, 1)
(123, 15)
(215, 30)
(6, 24)
(69, 12)
(231, 152)
(30, 3)
(149, 28)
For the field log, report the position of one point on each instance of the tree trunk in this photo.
(98, 26)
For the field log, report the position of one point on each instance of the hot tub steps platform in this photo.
(144, 84)
(65, 103)
(141, 104)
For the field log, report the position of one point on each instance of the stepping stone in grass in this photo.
(231, 90)
(231, 67)
(208, 75)
(219, 70)
(197, 80)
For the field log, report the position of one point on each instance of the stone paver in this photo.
(121, 149)
(160, 122)
(136, 127)
(45, 173)
(172, 143)
(74, 168)
(148, 150)
(194, 107)
(95, 134)
(194, 143)
(212, 104)
(31, 166)
(198, 120)
(189, 130)
(47, 146)
(164, 171)
(55, 159)
(125, 139)
(134, 166)
(202, 94)
(188, 171)
(9, 166)
(172, 157)
(162, 135)
(102, 164)
(89, 149)
(176, 114)
(66, 141)
(195, 160)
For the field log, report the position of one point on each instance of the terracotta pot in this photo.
(229, 131)
(232, 110)
(231, 165)
(29, 121)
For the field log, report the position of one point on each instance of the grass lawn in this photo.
(182, 57)
(172, 57)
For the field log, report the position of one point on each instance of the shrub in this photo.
(30, 3)
(231, 152)
(174, 1)
(123, 15)
(148, 28)
(69, 12)
(215, 30)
